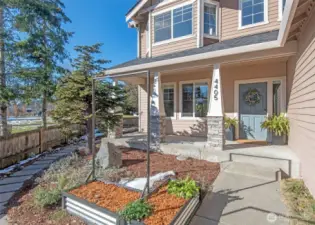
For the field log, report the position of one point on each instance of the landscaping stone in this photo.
(181, 157)
(109, 155)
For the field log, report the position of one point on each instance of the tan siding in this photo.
(230, 20)
(230, 74)
(143, 49)
(180, 45)
(301, 107)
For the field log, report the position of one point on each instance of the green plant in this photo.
(186, 188)
(136, 210)
(58, 215)
(229, 122)
(46, 197)
(279, 125)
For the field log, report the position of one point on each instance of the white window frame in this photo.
(175, 98)
(217, 5)
(280, 7)
(266, 16)
(147, 36)
(194, 106)
(171, 9)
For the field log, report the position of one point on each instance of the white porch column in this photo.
(117, 131)
(157, 113)
(216, 133)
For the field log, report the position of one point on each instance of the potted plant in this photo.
(230, 124)
(279, 128)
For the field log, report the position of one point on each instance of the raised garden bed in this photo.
(99, 203)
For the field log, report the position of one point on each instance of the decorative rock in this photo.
(181, 158)
(109, 155)
(84, 151)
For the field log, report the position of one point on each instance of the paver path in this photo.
(11, 185)
(239, 199)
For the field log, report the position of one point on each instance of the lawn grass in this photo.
(300, 202)
(19, 129)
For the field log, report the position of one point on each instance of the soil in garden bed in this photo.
(114, 198)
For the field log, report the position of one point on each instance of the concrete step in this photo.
(250, 170)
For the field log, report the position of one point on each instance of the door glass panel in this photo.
(188, 91)
(201, 99)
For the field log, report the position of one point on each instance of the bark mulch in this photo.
(199, 170)
(113, 198)
(108, 196)
(24, 212)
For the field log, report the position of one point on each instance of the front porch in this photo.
(277, 158)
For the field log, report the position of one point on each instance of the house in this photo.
(247, 59)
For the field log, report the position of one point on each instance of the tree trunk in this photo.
(44, 110)
(4, 121)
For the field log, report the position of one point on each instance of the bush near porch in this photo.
(24, 209)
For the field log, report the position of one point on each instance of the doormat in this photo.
(244, 141)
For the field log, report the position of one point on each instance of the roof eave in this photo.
(137, 7)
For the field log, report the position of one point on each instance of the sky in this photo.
(102, 21)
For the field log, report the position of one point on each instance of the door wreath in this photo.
(252, 97)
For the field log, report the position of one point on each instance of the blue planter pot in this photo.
(230, 133)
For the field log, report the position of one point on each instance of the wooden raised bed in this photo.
(95, 214)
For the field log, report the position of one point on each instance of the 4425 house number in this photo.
(216, 90)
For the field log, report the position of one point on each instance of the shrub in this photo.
(279, 125)
(186, 188)
(136, 210)
(46, 197)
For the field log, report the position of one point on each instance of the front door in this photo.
(252, 111)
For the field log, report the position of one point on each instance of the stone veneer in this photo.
(216, 134)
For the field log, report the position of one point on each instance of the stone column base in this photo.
(216, 134)
(162, 129)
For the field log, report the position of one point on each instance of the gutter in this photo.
(288, 15)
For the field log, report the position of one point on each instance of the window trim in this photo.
(194, 106)
(171, 9)
(175, 99)
(217, 5)
(280, 11)
(266, 16)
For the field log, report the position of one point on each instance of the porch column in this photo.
(157, 113)
(216, 134)
(117, 131)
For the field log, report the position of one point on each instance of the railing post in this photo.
(42, 139)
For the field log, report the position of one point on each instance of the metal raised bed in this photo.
(93, 214)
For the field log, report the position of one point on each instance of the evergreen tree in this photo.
(74, 93)
(43, 48)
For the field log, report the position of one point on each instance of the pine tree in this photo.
(74, 93)
(43, 49)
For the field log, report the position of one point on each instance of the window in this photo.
(169, 100)
(173, 24)
(182, 21)
(253, 12)
(281, 8)
(210, 20)
(195, 99)
(162, 27)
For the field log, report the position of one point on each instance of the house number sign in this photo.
(216, 90)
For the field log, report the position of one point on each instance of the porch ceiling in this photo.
(302, 15)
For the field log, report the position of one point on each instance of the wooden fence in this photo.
(21, 145)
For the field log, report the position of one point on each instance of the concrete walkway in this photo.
(238, 199)
(11, 185)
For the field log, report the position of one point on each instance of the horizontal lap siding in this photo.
(230, 18)
(301, 107)
(175, 46)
